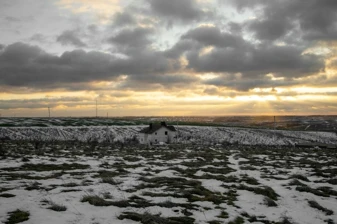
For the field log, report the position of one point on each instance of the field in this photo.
(299, 123)
(92, 182)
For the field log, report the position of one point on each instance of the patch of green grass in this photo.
(237, 220)
(266, 191)
(70, 190)
(56, 207)
(299, 177)
(109, 180)
(107, 195)
(295, 182)
(17, 216)
(18, 176)
(33, 186)
(41, 167)
(314, 204)
(269, 202)
(320, 191)
(95, 200)
(223, 215)
(147, 218)
(7, 195)
(70, 184)
(285, 220)
(214, 222)
(226, 179)
(152, 194)
(3, 189)
(200, 193)
(332, 181)
(106, 174)
(250, 180)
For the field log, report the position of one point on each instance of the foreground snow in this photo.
(205, 184)
(186, 134)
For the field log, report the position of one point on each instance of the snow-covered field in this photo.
(186, 134)
(90, 182)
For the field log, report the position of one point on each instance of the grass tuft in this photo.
(269, 202)
(314, 204)
(237, 220)
(17, 216)
(7, 195)
(95, 200)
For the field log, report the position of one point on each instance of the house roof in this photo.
(155, 127)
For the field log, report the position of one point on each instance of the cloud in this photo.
(185, 11)
(43, 102)
(30, 66)
(132, 40)
(26, 65)
(70, 37)
(270, 29)
(125, 18)
(158, 81)
(315, 19)
(283, 60)
(12, 19)
(103, 9)
(212, 36)
(245, 84)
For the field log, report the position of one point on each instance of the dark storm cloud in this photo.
(243, 4)
(43, 102)
(123, 19)
(25, 65)
(195, 39)
(270, 29)
(30, 66)
(70, 37)
(317, 19)
(157, 81)
(181, 47)
(212, 36)
(232, 54)
(132, 38)
(283, 60)
(186, 11)
(245, 84)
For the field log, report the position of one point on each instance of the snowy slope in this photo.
(187, 134)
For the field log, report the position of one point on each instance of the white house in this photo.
(157, 133)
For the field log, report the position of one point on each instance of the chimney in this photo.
(163, 123)
(150, 126)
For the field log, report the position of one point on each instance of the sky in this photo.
(168, 57)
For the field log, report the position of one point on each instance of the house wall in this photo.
(161, 135)
(142, 137)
